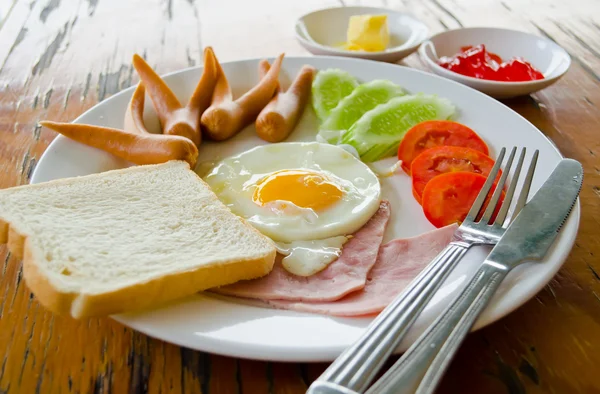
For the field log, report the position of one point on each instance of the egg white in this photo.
(306, 258)
(235, 179)
(310, 239)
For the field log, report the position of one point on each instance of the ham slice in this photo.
(346, 274)
(398, 263)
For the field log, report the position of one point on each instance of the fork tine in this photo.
(511, 190)
(476, 207)
(498, 191)
(526, 186)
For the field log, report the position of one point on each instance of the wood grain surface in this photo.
(60, 57)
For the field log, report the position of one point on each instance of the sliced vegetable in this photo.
(432, 133)
(362, 99)
(447, 198)
(378, 132)
(444, 159)
(329, 88)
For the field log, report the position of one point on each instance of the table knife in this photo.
(528, 238)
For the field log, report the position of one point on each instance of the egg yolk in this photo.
(305, 189)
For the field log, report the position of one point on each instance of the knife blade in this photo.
(536, 227)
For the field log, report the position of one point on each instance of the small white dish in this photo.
(549, 58)
(322, 32)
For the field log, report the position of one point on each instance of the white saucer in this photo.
(321, 32)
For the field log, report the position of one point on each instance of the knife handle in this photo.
(420, 369)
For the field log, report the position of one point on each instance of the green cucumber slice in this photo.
(362, 99)
(328, 88)
(378, 132)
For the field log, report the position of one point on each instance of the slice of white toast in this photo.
(127, 239)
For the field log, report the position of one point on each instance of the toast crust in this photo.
(151, 293)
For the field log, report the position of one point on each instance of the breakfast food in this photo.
(136, 147)
(378, 132)
(351, 108)
(181, 125)
(443, 159)
(127, 239)
(316, 209)
(346, 274)
(448, 164)
(373, 117)
(281, 115)
(176, 119)
(477, 62)
(134, 115)
(367, 33)
(294, 192)
(398, 263)
(447, 198)
(329, 88)
(263, 68)
(226, 117)
(432, 133)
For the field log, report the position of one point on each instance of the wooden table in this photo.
(59, 58)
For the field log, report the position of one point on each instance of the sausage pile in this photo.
(211, 112)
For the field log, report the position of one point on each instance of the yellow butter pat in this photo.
(367, 33)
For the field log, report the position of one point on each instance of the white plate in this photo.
(235, 328)
(545, 55)
(322, 31)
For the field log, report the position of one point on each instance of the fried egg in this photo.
(308, 197)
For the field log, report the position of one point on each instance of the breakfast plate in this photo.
(239, 328)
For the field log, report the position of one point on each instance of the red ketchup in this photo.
(477, 62)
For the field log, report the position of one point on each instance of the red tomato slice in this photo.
(443, 159)
(447, 198)
(434, 133)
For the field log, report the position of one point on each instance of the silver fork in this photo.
(357, 366)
